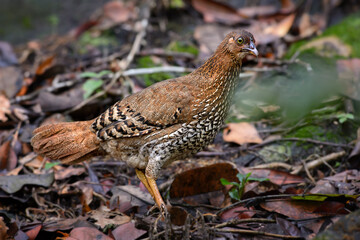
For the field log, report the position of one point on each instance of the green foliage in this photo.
(149, 79)
(27, 22)
(90, 86)
(237, 191)
(54, 20)
(343, 117)
(87, 39)
(93, 83)
(177, 4)
(178, 46)
(49, 165)
(309, 131)
(347, 31)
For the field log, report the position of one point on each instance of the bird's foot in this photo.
(164, 210)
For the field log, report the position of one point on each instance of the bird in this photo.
(167, 121)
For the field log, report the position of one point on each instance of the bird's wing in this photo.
(157, 107)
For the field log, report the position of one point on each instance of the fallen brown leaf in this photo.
(87, 233)
(8, 158)
(282, 28)
(11, 79)
(103, 218)
(32, 234)
(303, 209)
(275, 176)
(4, 107)
(241, 133)
(239, 212)
(202, 180)
(3, 229)
(68, 172)
(218, 12)
(127, 231)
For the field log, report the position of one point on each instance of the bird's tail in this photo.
(70, 142)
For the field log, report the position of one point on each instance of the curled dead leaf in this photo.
(241, 133)
(282, 28)
(4, 108)
(103, 218)
(218, 12)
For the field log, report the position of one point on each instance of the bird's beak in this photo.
(252, 49)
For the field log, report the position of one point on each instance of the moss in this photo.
(149, 79)
(178, 46)
(87, 39)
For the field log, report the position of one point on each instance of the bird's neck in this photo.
(217, 81)
(219, 74)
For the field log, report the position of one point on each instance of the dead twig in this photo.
(301, 140)
(140, 71)
(252, 232)
(258, 199)
(308, 166)
(239, 221)
(307, 171)
(317, 162)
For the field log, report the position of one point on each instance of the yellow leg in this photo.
(151, 186)
(141, 175)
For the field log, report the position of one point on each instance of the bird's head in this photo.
(239, 44)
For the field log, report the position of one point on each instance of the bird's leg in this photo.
(151, 186)
(156, 194)
(141, 175)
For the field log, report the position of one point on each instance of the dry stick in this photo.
(140, 71)
(305, 167)
(252, 232)
(258, 198)
(317, 162)
(300, 140)
(274, 165)
(296, 170)
(239, 221)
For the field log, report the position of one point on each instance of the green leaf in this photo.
(322, 197)
(90, 86)
(234, 194)
(51, 164)
(103, 73)
(225, 182)
(343, 117)
(258, 179)
(89, 75)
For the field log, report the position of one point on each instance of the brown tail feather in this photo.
(70, 142)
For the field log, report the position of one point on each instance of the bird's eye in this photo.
(240, 40)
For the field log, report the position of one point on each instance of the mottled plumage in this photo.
(162, 123)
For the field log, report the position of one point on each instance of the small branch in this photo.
(256, 199)
(317, 162)
(239, 221)
(140, 71)
(274, 165)
(308, 166)
(305, 167)
(301, 140)
(252, 232)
